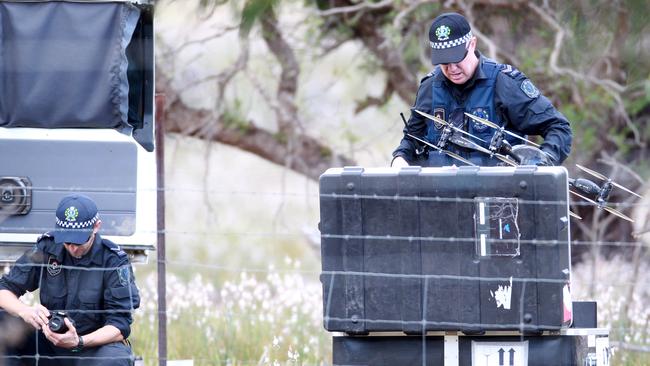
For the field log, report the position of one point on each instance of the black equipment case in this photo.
(424, 249)
(569, 348)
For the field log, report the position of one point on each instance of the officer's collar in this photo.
(94, 256)
(480, 74)
(95, 253)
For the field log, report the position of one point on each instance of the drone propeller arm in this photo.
(448, 153)
(608, 181)
(506, 149)
(585, 186)
(447, 124)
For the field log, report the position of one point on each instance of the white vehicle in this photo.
(77, 115)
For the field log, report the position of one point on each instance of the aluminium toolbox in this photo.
(423, 249)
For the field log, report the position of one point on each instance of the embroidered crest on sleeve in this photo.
(529, 89)
(124, 275)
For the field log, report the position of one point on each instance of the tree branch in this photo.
(355, 8)
(610, 86)
(287, 113)
(375, 101)
(310, 157)
(220, 33)
(367, 27)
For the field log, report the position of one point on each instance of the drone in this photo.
(448, 135)
(502, 150)
(600, 193)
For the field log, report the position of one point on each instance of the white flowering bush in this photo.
(271, 318)
(627, 317)
(275, 317)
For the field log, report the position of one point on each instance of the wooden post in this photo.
(161, 258)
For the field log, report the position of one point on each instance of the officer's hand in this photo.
(36, 316)
(399, 162)
(67, 340)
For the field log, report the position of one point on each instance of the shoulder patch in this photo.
(124, 275)
(529, 89)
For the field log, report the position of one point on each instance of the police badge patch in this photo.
(530, 89)
(53, 266)
(443, 32)
(124, 275)
(440, 113)
(481, 113)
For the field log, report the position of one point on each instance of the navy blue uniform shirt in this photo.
(523, 109)
(96, 290)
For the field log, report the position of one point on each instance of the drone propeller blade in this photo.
(470, 145)
(600, 176)
(445, 123)
(506, 160)
(455, 156)
(626, 190)
(584, 198)
(604, 207)
(497, 127)
(458, 157)
(592, 172)
(484, 121)
(617, 213)
(572, 214)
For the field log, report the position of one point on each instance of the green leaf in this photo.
(254, 10)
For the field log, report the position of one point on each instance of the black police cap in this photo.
(448, 36)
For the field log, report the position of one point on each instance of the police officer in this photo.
(465, 81)
(82, 274)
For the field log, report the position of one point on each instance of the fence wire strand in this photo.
(428, 283)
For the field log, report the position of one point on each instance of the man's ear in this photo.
(96, 227)
(471, 46)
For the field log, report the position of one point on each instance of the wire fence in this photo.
(255, 306)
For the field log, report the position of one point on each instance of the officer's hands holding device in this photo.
(60, 331)
(37, 316)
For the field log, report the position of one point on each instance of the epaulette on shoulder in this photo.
(510, 70)
(427, 76)
(114, 248)
(44, 236)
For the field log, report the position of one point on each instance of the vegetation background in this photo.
(262, 96)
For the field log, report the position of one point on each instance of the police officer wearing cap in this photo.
(465, 81)
(80, 273)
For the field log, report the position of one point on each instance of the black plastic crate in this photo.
(469, 249)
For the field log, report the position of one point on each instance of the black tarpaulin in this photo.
(64, 64)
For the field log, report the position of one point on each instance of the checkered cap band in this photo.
(77, 225)
(452, 43)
